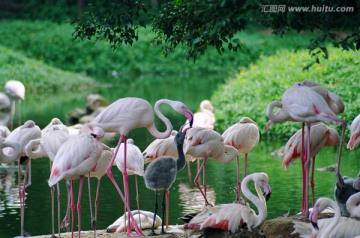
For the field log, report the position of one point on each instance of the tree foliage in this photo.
(214, 23)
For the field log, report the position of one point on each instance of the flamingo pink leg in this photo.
(312, 183)
(111, 177)
(79, 205)
(97, 201)
(338, 175)
(72, 207)
(167, 194)
(196, 180)
(238, 179)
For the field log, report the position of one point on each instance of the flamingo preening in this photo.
(126, 114)
(230, 216)
(302, 104)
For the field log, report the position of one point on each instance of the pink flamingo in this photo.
(77, 157)
(320, 137)
(23, 134)
(160, 174)
(244, 136)
(16, 92)
(206, 143)
(52, 137)
(126, 114)
(205, 118)
(336, 226)
(353, 205)
(230, 216)
(300, 103)
(355, 133)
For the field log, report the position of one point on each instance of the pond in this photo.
(184, 197)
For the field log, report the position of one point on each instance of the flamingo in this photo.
(77, 157)
(22, 134)
(342, 194)
(144, 218)
(160, 174)
(126, 114)
(205, 118)
(334, 227)
(230, 216)
(52, 137)
(135, 165)
(244, 136)
(16, 92)
(352, 205)
(206, 143)
(355, 133)
(320, 136)
(302, 104)
(332, 99)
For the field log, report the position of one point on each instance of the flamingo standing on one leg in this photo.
(160, 174)
(244, 136)
(206, 143)
(321, 136)
(300, 103)
(77, 157)
(230, 216)
(135, 165)
(52, 137)
(355, 133)
(126, 114)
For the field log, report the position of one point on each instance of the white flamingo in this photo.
(231, 216)
(355, 133)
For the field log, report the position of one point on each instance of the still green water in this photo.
(184, 197)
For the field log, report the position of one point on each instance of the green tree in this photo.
(200, 24)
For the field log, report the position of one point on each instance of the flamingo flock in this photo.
(81, 153)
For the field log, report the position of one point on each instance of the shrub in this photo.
(52, 43)
(249, 92)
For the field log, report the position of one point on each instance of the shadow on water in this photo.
(184, 197)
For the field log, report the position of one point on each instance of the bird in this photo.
(352, 205)
(321, 136)
(15, 90)
(302, 104)
(206, 143)
(77, 157)
(126, 114)
(160, 174)
(135, 165)
(355, 133)
(98, 173)
(333, 227)
(22, 135)
(144, 219)
(230, 216)
(343, 193)
(52, 137)
(244, 136)
(205, 118)
(332, 99)
(11, 154)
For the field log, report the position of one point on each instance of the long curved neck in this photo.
(181, 159)
(279, 116)
(230, 154)
(334, 221)
(34, 150)
(13, 154)
(261, 207)
(153, 130)
(352, 205)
